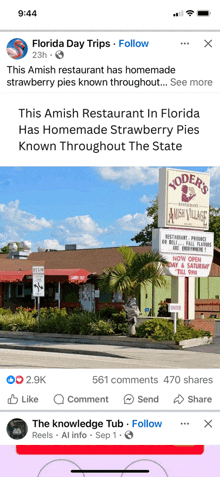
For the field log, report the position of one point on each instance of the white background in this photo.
(80, 383)
(164, 50)
(97, 15)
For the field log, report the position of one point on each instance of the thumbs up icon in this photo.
(13, 399)
(10, 379)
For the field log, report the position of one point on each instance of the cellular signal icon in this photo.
(190, 12)
(178, 14)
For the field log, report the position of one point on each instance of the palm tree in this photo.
(135, 270)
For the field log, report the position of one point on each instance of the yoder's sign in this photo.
(183, 199)
(183, 241)
(188, 253)
(188, 265)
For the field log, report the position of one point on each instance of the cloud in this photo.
(133, 223)
(130, 176)
(214, 185)
(50, 244)
(11, 215)
(81, 229)
(17, 224)
(214, 172)
(86, 233)
(146, 200)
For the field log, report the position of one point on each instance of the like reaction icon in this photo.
(10, 379)
(19, 379)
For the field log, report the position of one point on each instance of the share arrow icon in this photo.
(179, 399)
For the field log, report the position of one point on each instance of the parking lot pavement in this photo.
(212, 348)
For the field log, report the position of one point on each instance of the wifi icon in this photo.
(190, 12)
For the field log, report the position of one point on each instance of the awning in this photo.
(13, 276)
(72, 275)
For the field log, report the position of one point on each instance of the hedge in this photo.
(159, 329)
(81, 322)
(53, 320)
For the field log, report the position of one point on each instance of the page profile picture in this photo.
(17, 429)
(17, 49)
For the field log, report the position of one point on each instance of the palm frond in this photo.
(127, 253)
(138, 269)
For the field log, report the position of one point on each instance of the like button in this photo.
(13, 399)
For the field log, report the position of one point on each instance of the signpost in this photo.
(38, 287)
(189, 253)
(183, 199)
(174, 308)
(183, 218)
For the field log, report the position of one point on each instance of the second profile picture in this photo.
(17, 429)
(17, 48)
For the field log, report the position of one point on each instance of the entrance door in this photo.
(87, 296)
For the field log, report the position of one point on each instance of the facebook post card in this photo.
(109, 239)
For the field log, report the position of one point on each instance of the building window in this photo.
(117, 297)
(20, 290)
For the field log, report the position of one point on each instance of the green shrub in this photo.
(5, 311)
(107, 312)
(186, 333)
(163, 310)
(79, 322)
(5, 314)
(120, 322)
(101, 328)
(159, 329)
(53, 320)
(118, 319)
(18, 322)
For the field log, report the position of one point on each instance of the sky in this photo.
(88, 206)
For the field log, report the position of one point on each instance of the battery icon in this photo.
(203, 13)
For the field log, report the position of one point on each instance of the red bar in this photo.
(109, 450)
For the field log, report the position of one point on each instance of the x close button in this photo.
(208, 423)
(208, 43)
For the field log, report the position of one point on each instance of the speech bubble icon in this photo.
(58, 399)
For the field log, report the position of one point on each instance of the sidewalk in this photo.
(61, 343)
(21, 353)
(57, 347)
(54, 342)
